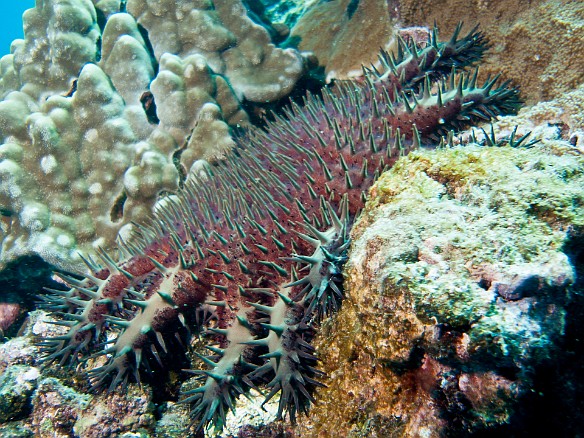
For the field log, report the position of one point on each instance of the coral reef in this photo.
(251, 252)
(562, 117)
(465, 268)
(344, 34)
(282, 12)
(458, 284)
(106, 105)
(48, 403)
(537, 43)
(56, 407)
(16, 386)
(232, 44)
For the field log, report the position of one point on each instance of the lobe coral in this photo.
(250, 255)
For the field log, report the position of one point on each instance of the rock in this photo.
(174, 422)
(15, 430)
(458, 285)
(117, 413)
(534, 41)
(16, 386)
(56, 407)
(59, 410)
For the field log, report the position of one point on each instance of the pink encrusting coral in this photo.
(251, 253)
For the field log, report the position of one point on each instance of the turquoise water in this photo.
(11, 22)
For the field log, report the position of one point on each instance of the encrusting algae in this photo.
(459, 279)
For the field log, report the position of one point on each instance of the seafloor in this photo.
(463, 306)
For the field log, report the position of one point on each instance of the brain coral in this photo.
(106, 105)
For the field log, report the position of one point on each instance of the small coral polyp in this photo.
(251, 254)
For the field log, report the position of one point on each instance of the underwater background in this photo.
(11, 22)
(291, 218)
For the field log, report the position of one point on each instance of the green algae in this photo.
(17, 383)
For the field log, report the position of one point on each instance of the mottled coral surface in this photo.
(105, 107)
(346, 34)
(458, 285)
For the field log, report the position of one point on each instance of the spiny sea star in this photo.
(251, 252)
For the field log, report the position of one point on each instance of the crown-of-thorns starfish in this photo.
(250, 254)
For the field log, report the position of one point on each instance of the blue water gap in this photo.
(11, 21)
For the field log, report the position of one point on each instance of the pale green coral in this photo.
(232, 44)
(48, 61)
(96, 125)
